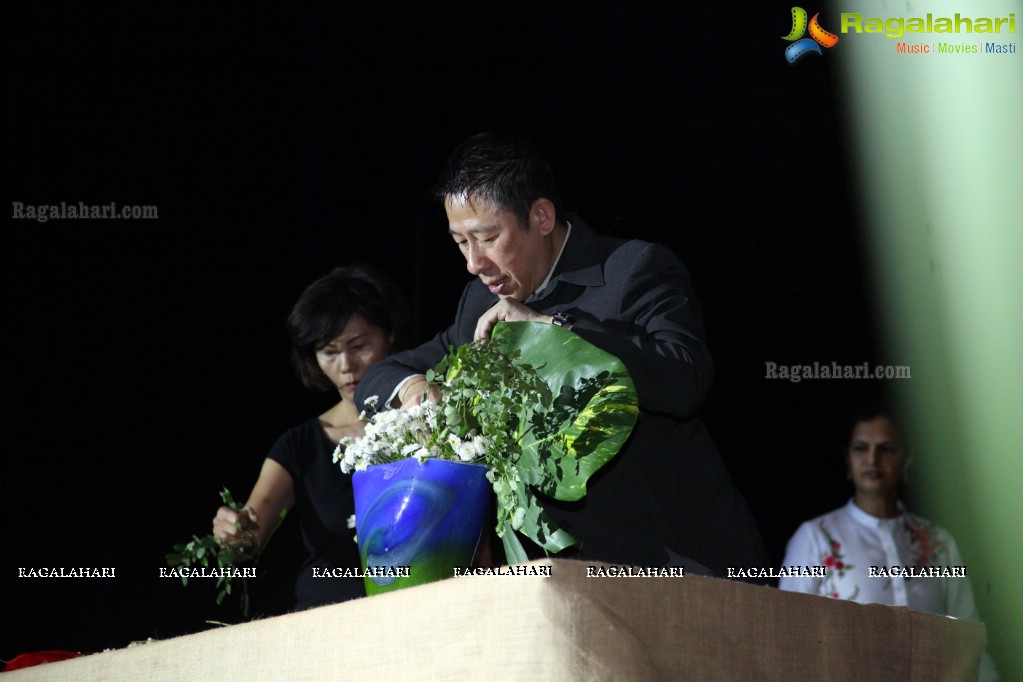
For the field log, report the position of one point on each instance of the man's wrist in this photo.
(394, 400)
(413, 383)
(562, 319)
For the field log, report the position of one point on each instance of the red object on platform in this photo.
(36, 657)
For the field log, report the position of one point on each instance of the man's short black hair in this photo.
(501, 169)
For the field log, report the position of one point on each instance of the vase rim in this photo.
(421, 463)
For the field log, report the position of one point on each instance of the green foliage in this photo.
(557, 409)
(541, 407)
(207, 552)
(594, 409)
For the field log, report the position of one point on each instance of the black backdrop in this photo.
(146, 360)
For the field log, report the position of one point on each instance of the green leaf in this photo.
(580, 420)
(225, 495)
(207, 551)
(595, 404)
(513, 550)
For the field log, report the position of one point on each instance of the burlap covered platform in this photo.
(564, 627)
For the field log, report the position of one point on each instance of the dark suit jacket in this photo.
(667, 493)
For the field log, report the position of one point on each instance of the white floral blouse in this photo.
(903, 561)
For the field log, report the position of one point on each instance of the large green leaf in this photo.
(595, 406)
(536, 525)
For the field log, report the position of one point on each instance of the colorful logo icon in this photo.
(803, 46)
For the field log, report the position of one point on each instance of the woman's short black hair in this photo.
(325, 307)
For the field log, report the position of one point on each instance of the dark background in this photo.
(147, 361)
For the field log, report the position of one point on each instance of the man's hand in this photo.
(508, 310)
(416, 390)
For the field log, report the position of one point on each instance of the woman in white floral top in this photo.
(874, 551)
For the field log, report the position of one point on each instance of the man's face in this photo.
(511, 261)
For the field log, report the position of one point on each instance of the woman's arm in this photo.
(251, 527)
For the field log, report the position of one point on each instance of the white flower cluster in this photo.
(398, 434)
(473, 448)
(390, 435)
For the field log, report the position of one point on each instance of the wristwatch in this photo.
(562, 319)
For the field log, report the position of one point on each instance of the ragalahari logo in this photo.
(803, 46)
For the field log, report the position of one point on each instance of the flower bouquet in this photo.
(539, 406)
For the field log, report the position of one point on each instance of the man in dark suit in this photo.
(666, 498)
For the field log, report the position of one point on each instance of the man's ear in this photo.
(543, 216)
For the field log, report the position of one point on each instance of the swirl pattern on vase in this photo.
(425, 516)
(403, 520)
